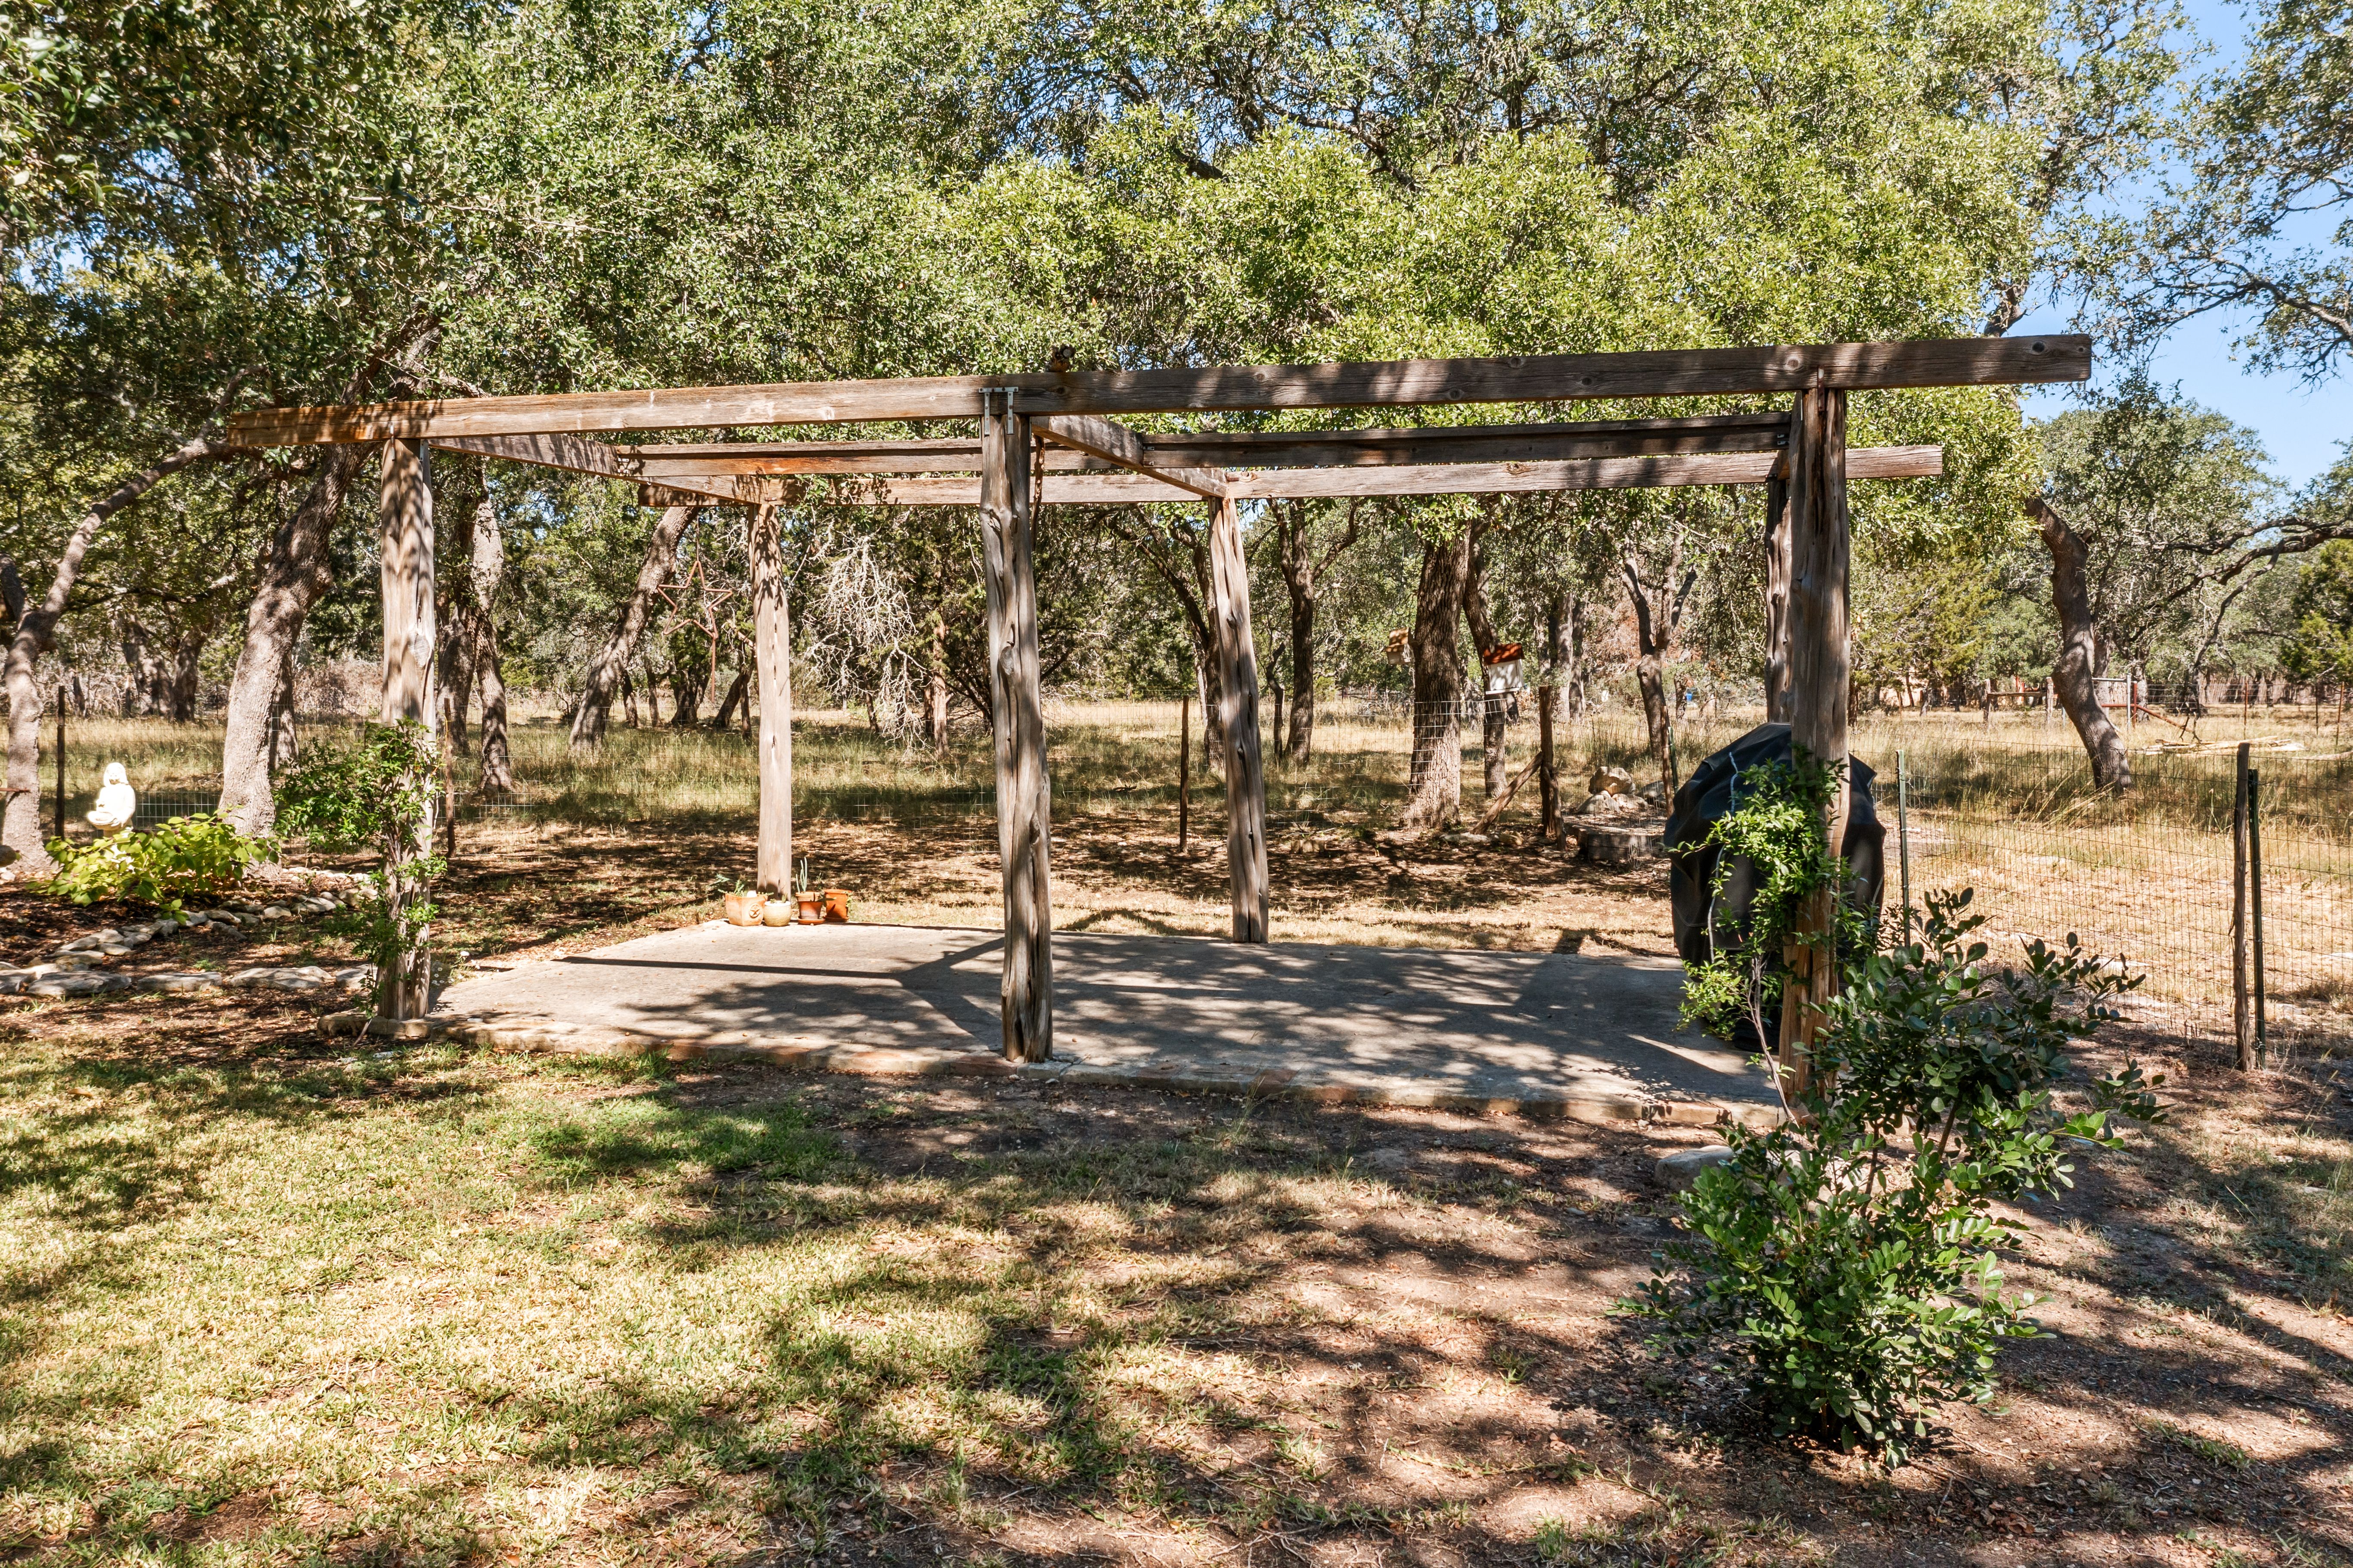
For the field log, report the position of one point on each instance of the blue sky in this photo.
(2303, 428)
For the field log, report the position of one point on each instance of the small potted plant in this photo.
(744, 905)
(810, 904)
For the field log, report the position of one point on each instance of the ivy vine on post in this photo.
(376, 793)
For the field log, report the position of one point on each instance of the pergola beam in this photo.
(1416, 480)
(574, 456)
(1763, 369)
(1117, 443)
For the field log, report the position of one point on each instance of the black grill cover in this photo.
(1708, 795)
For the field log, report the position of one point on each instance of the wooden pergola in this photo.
(1050, 439)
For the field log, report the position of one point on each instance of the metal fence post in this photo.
(1903, 840)
(2242, 1014)
(2255, 905)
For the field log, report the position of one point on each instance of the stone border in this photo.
(808, 1054)
(71, 972)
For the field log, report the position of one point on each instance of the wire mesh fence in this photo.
(2151, 876)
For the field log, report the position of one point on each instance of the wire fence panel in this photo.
(2150, 876)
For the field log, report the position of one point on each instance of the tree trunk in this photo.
(1492, 707)
(936, 685)
(485, 575)
(1557, 663)
(1777, 600)
(737, 690)
(186, 679)
(1655, 624)
(2072, 675)
(145, 681)
(296, 575)
(604, 673)
(1434, 787)
(36, 633)
(282, 718)
(1303, 577)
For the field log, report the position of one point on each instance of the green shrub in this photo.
(1777, 825)
(1848, 1253)
(373, 793)
(186, 856)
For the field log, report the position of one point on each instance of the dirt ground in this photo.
(1207, 1332)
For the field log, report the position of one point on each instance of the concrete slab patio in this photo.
(1557, 1034)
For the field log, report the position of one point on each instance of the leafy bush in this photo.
(186, 856)
(1777, 827)
(373, 793)
(1849, 1252)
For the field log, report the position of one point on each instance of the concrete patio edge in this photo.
(806, 1054)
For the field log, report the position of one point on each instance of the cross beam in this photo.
(1763, 369)
(1408, 479)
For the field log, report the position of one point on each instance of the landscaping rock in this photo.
(1682, 1168)
(1619, 846)
(1609, 781)
(277, 912)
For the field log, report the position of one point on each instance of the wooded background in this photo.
(206, 209)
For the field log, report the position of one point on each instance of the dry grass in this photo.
(262, 1301)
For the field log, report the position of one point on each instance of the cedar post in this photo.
(404, 512)
(1024, 799)
(772, 661)
(1245, 773)
(1819, 673)
(2243, 1017)
(1776, 591)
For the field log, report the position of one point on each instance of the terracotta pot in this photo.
(837, 904)
(744, 909)
(811, 906)
(780, 911)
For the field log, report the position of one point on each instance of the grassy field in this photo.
(263, 1300)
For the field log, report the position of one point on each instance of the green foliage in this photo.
(2321, 647)
(1779, 824)
(1848, 1253)
(374, 792)
(186, 856)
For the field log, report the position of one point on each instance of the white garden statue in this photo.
(118, 803)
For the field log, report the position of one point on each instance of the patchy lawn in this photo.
(265, 1298)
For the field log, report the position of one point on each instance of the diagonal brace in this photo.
(1115, 443)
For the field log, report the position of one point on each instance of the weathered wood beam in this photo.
(772, 662)
(1245, 770)
(1236, 448)
(1435, 479)
(1534, 378)
(573, 455)
(1117, 443)
(1024, 798)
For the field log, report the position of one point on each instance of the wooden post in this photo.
(1024, 801)
(1819, 676)
(1777, 593)
(2242, 1010)
(772, 662)
(61, 768)
(405, 516)
(1184, 770)
(1245, 773)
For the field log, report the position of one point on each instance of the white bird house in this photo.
(1503, 662)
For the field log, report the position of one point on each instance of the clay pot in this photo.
(837, 904)
(780, 911)
(744, 909)
(811, 906)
